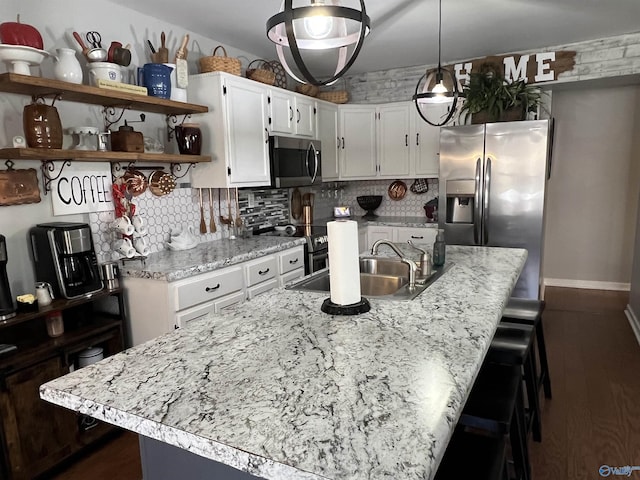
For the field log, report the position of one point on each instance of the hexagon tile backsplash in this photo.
(181, 209)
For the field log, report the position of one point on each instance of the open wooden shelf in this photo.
(95, 156)
(28, 85)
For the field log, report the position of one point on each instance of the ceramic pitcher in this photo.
(67, 67)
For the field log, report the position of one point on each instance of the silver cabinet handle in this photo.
(293, 262)
(263, 272)
(212, 289)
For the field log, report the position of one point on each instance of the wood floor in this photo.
(592, 420)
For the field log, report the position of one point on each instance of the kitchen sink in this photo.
(380, 277)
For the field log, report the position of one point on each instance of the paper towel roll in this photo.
(344, 265)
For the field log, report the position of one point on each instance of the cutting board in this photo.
(296, 204)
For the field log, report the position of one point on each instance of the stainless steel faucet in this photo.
(413, 268)
(425, 260)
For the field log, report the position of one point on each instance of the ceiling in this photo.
(405, 32)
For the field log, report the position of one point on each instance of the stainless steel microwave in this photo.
(295, 162)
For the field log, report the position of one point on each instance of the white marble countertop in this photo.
(276, 388)
(385, 221)
(170, 266)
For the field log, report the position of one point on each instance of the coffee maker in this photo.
(7, 309)
(64, 256)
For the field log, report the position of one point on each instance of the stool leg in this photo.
(544, 365)
(531, 381)
(518, 437)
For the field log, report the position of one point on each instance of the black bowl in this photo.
(369, 203)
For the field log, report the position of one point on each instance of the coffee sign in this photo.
(82, 189)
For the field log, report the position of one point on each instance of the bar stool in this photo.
(512, 344)
(529, 312)
(496, 407)
(473, 456)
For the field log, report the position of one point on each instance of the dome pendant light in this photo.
(439, 94)
(322, 25)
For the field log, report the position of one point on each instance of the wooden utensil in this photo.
(223, 220)
(212, 221)
(163, 51)
(238, 218)
(78, 38)
(203, 224)
(231, 234)
(296, 204)
(182, 74)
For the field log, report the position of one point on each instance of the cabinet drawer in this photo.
(208, 287)
(291, 276)
(261, 269)
(291, 259)
(194, 313)
(416, 235)
(261, 288)
(228, 301)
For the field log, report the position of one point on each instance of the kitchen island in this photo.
(280, 390)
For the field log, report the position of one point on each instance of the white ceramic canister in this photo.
(105, 71)
(66, 66)
(89, 356)
(177, 94)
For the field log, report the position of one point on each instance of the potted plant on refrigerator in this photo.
(489, 98)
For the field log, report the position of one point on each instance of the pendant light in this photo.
(439, 94)
(321, 25)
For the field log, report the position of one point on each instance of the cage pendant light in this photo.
(431, 88)
(321, 25)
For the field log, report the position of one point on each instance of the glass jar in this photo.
(55, 324)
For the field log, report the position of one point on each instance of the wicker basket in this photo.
(220, 64)
(263, 74)
(306, 89)
(335, 96)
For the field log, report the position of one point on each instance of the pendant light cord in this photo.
(439, 33)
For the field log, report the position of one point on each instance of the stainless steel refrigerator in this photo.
(492, 190)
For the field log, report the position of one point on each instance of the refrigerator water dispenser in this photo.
(460, 201)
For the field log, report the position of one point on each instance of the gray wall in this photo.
(593, 191)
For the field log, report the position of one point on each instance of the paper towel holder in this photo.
(357, 308)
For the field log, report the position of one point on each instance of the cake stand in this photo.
(18, 58)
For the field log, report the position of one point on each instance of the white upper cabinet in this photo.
(357, 153)
(328, 136)
(291, 113)
(425, 141)
(393, 140)
(234, 131)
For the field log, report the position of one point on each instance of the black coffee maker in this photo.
(7, 308)
(64, 256)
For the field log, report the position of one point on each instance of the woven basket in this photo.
(335, 96)
(220, 64)
(263, 74)
(306, 89)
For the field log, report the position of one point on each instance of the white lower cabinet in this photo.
(156, 307)
(416, 234)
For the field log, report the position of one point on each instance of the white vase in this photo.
(67, 67)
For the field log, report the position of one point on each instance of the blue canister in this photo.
(157, 78)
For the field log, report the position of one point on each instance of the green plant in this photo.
(487, 91)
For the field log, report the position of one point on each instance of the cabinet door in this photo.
(393, 140)
(357, 142)
(378, 233)
(425, 140)
(328, 136)
(281, 114)
(419, 236)
(38, 434)
(247, 133)
(305, 117)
